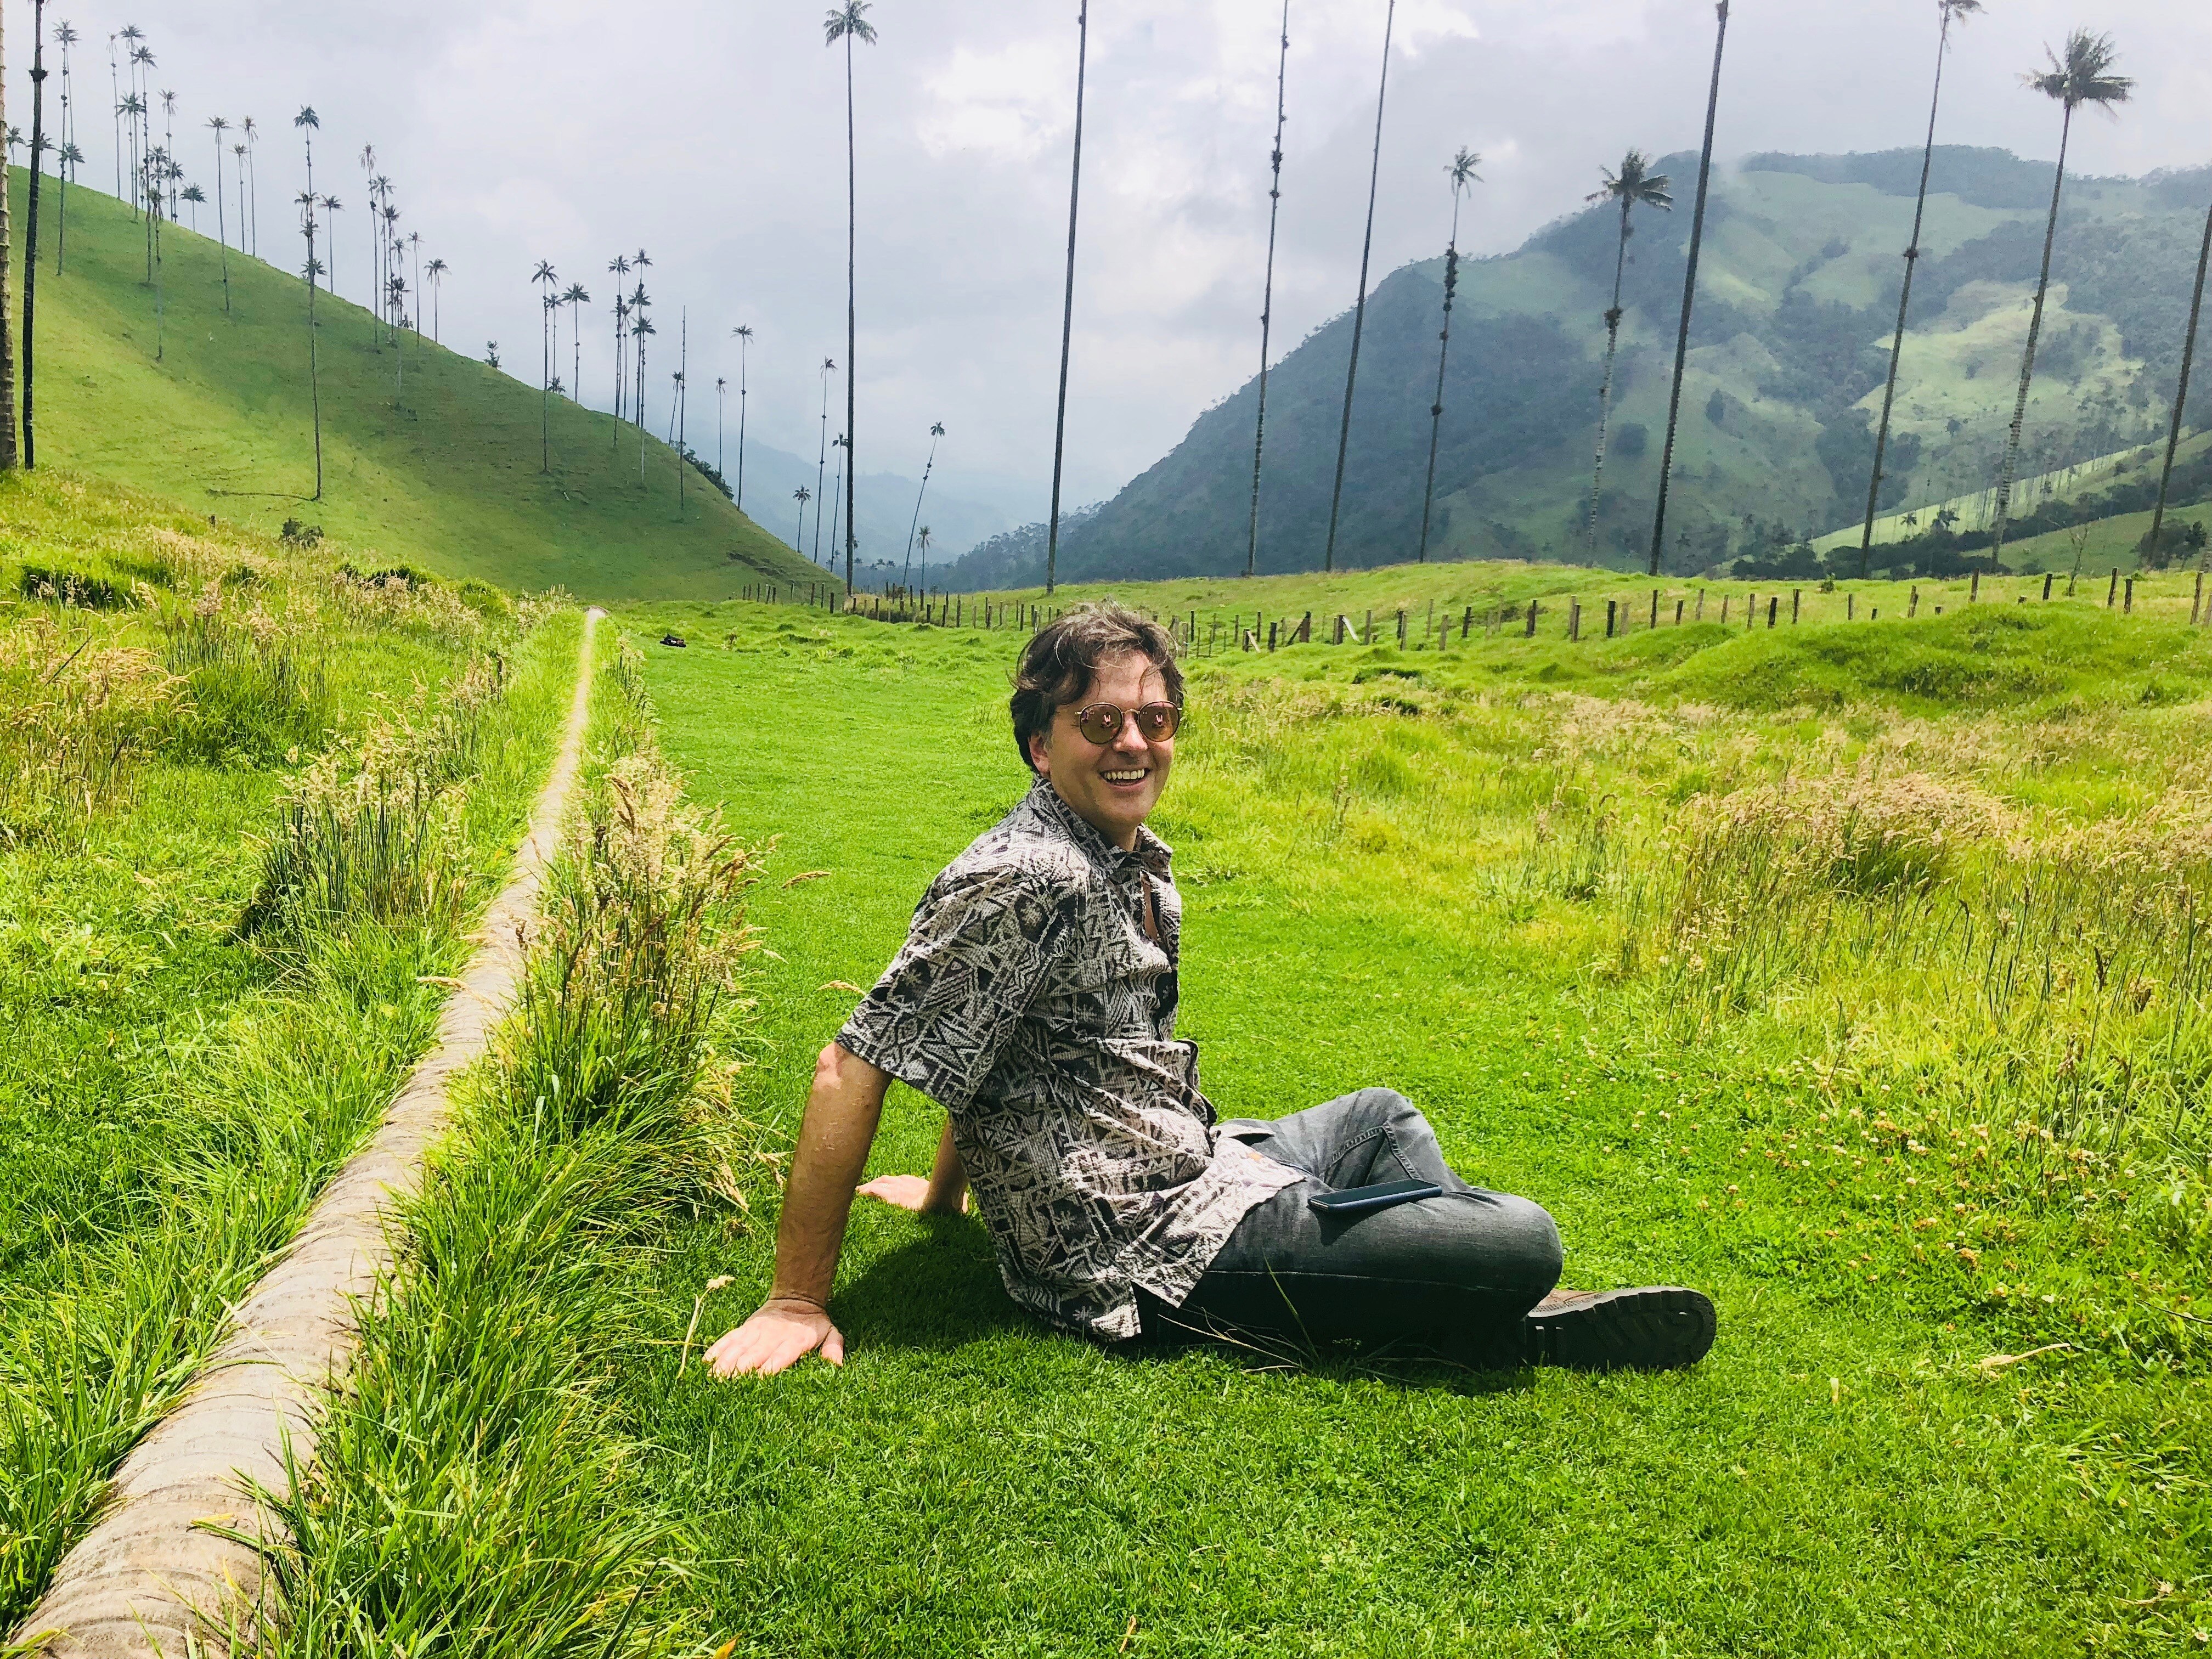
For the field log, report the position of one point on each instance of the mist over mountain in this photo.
(1797, 297)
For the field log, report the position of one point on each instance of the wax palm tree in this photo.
(822, 461)
(252, 183)
(642, 330)
(331, 207)
(115, 97)
(380, 197)
(312, 271)
(1359, 309)
(69, 158)
(218, 126)
(721, 406)
(390, 216)
(2156, 542)
(921, 541)
(544, 276)
(802, 495)
(31, 237)
(849, 23)
(169, 148)
(195, 197)
(618, 268)
(836, 499)
(1690, 283)
(1950, 11)
(1633, 185)
(1268, 288)
(744, 335)
(1462, 173)
(435, 270)
(936, 431)
(640, 303)
(1067, 304)
(309, 123)
(576, 295)
(367, 160)
(8, 452)
(2083, 76)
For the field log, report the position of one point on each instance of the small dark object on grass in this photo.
(677, 641)
(301, 535)
(735, 556)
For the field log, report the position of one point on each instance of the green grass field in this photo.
(442, 472)
(175, 1086)
(1802, 1094)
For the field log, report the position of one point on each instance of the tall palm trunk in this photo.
(1689, 288)
(852, 318)
(1267, 291)
(907, 568)
(314, 364)
(1904, 304)
(1443, 352)
(1605, 388)
(2181, 391)
(31, 235)
(7, 335)
(1359, 309)
(222, 225)
(821, 473)
(1067, 306)
(2027, 357)
(739, 501)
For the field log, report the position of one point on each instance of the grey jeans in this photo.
(1456, 1272)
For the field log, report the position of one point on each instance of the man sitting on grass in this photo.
(1035, 1000)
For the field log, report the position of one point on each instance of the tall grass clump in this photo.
(371, 828)
(84, 717)
(473, 1491)
(258, 691)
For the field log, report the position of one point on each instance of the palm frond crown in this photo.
(2083, 73)
(851, 18)
(1635, 183)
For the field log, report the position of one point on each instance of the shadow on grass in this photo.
(942, 1292)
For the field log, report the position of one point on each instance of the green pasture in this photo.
(1448, 873)
(431, 458)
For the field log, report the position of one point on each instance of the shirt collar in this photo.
(1153, 853)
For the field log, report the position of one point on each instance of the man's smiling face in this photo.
(1112, 786)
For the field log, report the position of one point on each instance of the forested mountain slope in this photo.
(1797, 298)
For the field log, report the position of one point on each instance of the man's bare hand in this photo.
(911, 1193)
(778, 1336)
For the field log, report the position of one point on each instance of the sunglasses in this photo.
(1101, 722)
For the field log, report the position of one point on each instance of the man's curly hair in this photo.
(1058, 666)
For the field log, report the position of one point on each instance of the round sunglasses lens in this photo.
(1100, 723)
(1158, 720)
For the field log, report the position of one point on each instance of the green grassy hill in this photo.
(431, 458)
(1796, 303)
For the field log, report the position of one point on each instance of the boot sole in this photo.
(1659, 1329)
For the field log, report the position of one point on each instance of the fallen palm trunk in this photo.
(157, 1574)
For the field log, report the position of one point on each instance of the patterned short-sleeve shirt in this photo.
(1029, 1002)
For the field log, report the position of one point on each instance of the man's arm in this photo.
(843, 1110)
(945, 1191)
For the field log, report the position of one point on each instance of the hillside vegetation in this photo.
(431, 458)
(1797, 298)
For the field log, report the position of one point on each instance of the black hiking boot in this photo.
(1655, 1329)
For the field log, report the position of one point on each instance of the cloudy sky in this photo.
(711, 132)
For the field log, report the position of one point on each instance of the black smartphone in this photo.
(1358, 1200)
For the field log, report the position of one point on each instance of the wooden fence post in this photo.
(1467, 624)
(1611, 607)
(1794, 593)
(1914, 609)
(2050, 576)
(1401, 629)
(2128, 608)
(1271, 635)
(1574, 619)
(1701, 605)
(1725, 598)
(1679, 605)
(1850, 607)
(1974, 589)
(2197, 604)
(2112, 587)
(1305, 629)
(1773, 609)
(1655, 607)
(1532, 619)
